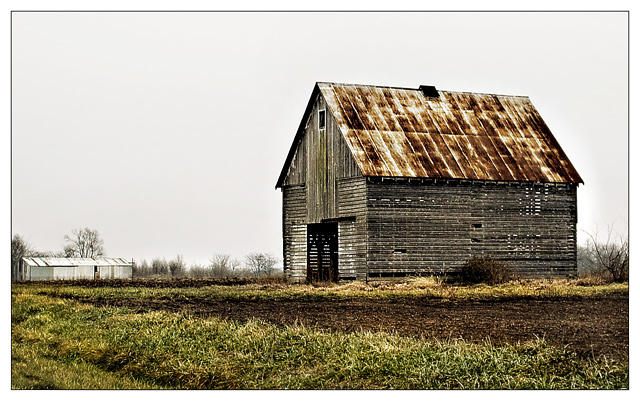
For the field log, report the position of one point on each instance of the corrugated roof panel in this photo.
(400, 132)
(76, 261)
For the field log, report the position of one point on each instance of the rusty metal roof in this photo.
(76, 261)
(400, 132)
(426, 133)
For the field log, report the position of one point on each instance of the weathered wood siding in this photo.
(294, 232)
(426, 227)
(323, 182)
(321, 159)
(352, 234)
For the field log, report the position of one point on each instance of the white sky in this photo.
(166, 132)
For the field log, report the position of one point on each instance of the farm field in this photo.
(423, 334)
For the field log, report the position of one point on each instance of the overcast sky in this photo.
(166, 132)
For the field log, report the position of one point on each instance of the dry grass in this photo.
(275, 290)
(437, 287)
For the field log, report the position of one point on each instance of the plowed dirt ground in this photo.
(590, 325)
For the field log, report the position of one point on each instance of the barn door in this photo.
(322, 252)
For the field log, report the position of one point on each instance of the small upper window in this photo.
(322, 119)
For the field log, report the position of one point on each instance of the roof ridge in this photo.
(417, 89)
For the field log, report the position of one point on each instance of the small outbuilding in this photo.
(383, 183)
(74, 268)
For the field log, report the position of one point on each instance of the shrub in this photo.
(485, 269)
(608, 255)
(199, 271)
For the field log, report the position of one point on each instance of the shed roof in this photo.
(76, 261)
(402, 132)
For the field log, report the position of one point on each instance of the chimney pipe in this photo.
(429, 91)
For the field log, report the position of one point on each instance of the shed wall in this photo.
(113, 272)
(72, 272)
(35, 273)
(39, 273)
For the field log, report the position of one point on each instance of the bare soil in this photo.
(590, 326)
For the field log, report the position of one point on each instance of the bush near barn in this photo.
(485, 269)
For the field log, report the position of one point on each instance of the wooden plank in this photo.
(441, 226)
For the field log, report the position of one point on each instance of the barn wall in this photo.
(321, 158)
(352, 231)
(323, 182)
(294, 232)
(427, 227)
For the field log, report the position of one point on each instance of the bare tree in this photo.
(222, 265)
(141, 269)
(20, 248)
(159, 267)
(84, 243)
(177, 267)
(261, 263)
(610, 254)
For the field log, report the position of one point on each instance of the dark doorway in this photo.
(322, 252)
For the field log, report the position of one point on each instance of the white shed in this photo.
(74, 268)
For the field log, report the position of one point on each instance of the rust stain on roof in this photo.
(399, 132)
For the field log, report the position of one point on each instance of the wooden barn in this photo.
(384, 182)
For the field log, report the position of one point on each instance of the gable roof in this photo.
(401, 132)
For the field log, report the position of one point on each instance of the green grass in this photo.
(59, 343)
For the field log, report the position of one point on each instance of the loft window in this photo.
(477, 225)
(322, 119)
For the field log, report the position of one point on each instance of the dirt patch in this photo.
(177, 282)
(590, 326)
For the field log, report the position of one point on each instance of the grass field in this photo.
(119, 335)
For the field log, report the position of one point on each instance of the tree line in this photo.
(220, 265)
(87, 243)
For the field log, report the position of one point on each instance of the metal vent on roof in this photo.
(429, 91)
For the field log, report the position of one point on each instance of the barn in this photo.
(383, 183)
(74, 268)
